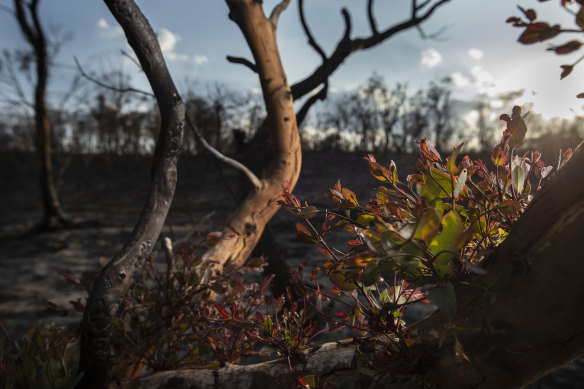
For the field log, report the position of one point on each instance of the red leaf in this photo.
(531, 14)
(580, 18)
(499, 155)
(566, 70)
(538, 32)
(566, 48)
(222, 311)
(304, 234)
(325, 252)
(71, 280)
(514, 20)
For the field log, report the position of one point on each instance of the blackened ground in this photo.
(108, 192)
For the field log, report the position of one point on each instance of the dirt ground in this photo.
(109, 193)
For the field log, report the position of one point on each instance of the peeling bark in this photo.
(244, 227)
(520, 321)
(116, 277)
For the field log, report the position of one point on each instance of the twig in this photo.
(111, 87)
(322, 94)
(243, 61)
(167, 246)
(371, 17)
(9, 338)
(256, 182)
(277, 11)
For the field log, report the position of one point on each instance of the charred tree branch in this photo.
(347, 46)
(243, 61)
(107, 86)
(371, 17)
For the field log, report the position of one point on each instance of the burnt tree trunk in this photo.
(115, 278)
(29, 22)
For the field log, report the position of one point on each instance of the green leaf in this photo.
(391, 240)
(364, 220)
(460, 183)
(445, 245)
(393, 172)
(438, 182)
(268, 325)
(519, 170)
(438, 205)
(451, 164)
(343, 280)
(427, 226)
(370, 274)
(444, 298)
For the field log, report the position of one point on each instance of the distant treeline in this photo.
(371, 118)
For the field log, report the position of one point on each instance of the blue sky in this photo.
(477, 48)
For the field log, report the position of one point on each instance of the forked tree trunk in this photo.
(244, 227)
(32, 29)
(519, 322)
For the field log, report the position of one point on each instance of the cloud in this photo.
(482, 78)
(108, 31)
(460, 80)
(168, 41)
(200, 59)
(431, 58)
(475, 53)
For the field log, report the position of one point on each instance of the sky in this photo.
(475, 47)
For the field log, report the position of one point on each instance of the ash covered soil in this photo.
(107, 193)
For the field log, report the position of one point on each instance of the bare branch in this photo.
(371, 17)
(311, 41)
(243, 61)
(321, 95)
(7, 9)
(256, 182)
(303, 111)
(346, 46)
(434, 36)
(131, 58)
(277, 11)
(107, 86)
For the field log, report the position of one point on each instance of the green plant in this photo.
(423, 234)
(413, 242)
(45, 358)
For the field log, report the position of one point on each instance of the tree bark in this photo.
(54, 217)
(244, 227)
(116, 277)
(520, 321)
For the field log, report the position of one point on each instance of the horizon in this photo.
(480, 60)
